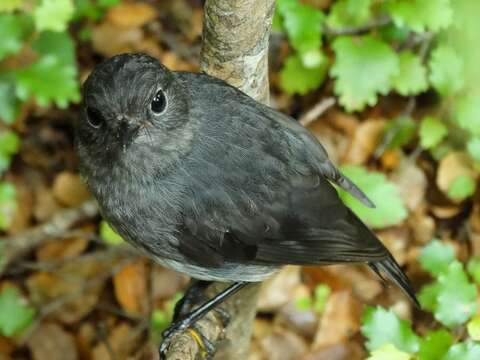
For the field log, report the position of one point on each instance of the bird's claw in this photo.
(206, 346)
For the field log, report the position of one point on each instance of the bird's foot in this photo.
(207, 348)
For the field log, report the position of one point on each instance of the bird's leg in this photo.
(193, 295)
(188, 320)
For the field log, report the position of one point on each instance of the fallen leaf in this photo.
(51, 342)
(411, 182)
(131, 14)
(110, 40)
(340, 320)
(69, 190)
(166, 283)
(45, 204)
(345, 351)
(452, 166)
(365, 141)
(283, 344)
(278, 289)
(121, 341)
(130, 285)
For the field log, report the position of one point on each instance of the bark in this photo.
(235, 49)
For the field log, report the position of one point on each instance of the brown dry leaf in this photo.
(341, 277)
(283, 344)
(396, 239)
(345, 351)
(134, 14)
(391, 159)
(365, 141)
(52, 342)
(122, 340)
(422, 226)
(340, 320)
(45, 204)
(335, 143)
(68, 189)
(130, 285)
(110, 40)
(344, 122)
(278, 290)
(76, 285)
(62, 249)
(452, 166)
(301, 321)
(86, 337)
(22, 215)
(6, 347)
(175, 63)
(166, 283)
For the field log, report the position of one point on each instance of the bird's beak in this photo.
(126, 133)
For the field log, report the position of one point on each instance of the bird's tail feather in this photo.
(390, 268)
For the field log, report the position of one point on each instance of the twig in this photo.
(381, 21)
(18, 245)
(315, 112)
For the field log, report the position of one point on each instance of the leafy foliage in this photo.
(436, 257)
(389, 352)
(296, 78)
(446, 70)
(15, 315)
(412, 76)
(9, 144)
(435, 345)
(109, 235)
(462, 187)
(363, 69)
(14, 29)
(421, 15)
(345, 13)
(432, 132)
(317, 302)
(53, 15)
(8, 204)
(382, 327)
(390, 209)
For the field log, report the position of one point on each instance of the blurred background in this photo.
(390, 87)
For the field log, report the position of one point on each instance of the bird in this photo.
(212, 183)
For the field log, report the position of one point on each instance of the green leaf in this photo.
(321, 294)
(9, 144)
(304, 303)
(349, 13)
(463, 351)
(10, 5)
(381, 327)
(412, 78)
(9, 105)
(109, 235)
(296, 78)
(436, 257)
(390, 208)
(435, 345)
(446, 70)
(91, 9)
(473, 148)
(455, 301)
(389, 352)
(473, 268)
(392, 33)
(467, 114)
(432, 132)
(421, 15)
(14, 30)
(428, 296)
(8, 204)
(15, 315)
(462, 187)
(473, 328)
(54, 76)
(303, 24)
(364, 68)
(399, 132)
(53, 15)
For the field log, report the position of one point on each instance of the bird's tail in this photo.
(390, 268)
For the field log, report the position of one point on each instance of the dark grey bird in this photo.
(212, 183)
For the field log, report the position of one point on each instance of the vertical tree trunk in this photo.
(235, 49)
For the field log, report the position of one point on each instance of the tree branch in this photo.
(16, 246)
(234, 48)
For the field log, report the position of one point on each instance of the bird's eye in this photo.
(159, 102)
(94, 117)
